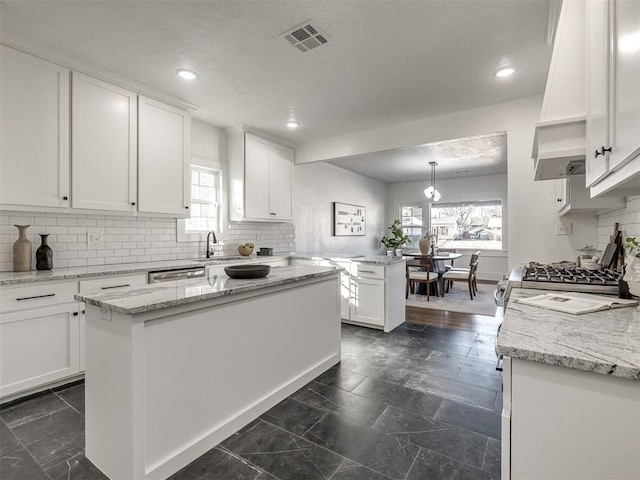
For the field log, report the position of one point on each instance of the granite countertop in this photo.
(10, 278)
(605, 342)
(156, 296)
(351, 257)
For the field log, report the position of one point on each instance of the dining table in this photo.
(438, 266)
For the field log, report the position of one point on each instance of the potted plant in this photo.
(425, 242)
(396, 240)
(246, 249)
(632, 262)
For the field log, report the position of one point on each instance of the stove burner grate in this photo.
(581, 276)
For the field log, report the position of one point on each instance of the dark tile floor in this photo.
(418, 403)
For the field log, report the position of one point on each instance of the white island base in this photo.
(165, 386)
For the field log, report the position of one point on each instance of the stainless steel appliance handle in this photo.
(176, 275)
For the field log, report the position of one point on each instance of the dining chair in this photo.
(462, 276)
(422, 275)
(474, 258)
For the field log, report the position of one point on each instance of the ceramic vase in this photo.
(22, 250)
(44, 254)
(632, 275)
(425, 245)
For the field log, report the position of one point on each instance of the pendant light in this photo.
(431, 191)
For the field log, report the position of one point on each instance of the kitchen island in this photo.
(174, 368)
(571, 392)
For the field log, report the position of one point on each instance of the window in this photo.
(206, 208)
(411, 219)
(468, 224)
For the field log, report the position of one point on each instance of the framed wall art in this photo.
(349, 220)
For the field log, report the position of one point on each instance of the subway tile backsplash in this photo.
(628, 218)
(127, 239)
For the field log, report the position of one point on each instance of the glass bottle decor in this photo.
(22, 250)
(44, 254)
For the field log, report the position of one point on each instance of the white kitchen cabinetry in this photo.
(39, 335)
(34, 114)
(560, 423)
(104, 284)
(261, 178)
(573, 197)
(613, 94)
(164, 144)
(104, 146)
(367, 295)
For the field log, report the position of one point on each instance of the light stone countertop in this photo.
(13, 278)
(134, 300)
(10, 278)
(605, 342)
(351, 257)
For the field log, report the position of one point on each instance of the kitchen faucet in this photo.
(215, 240)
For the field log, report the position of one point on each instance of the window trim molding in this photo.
(181, 234)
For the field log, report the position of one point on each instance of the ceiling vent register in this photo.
(305, 37)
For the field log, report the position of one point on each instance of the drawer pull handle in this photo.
(116, 286)
(367, 271)
(75, 314)
(37, 296)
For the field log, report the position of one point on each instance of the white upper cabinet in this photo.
(164, 144)
(104, 146)
(261, 178)
(613, 93)
(34, 156)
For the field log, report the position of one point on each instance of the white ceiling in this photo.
(464, 157)
(386, 62)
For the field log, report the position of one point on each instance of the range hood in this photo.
(559, 146)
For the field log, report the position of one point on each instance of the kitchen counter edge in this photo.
(605, 342)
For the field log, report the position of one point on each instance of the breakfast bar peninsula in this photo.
(174, 368)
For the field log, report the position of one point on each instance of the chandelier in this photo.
(431, 191)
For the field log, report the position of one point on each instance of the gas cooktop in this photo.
(566, 277)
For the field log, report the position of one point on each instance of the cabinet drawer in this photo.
(109, 283)
(364, 270)
(41, 294)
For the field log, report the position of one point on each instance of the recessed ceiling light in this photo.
(292, 124)
(504, 72)
(187, 74)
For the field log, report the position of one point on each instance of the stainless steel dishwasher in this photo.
(176, 274)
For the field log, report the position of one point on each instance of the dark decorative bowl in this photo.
(247, 271)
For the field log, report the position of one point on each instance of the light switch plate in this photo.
(563, 228)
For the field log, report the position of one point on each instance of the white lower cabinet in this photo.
(39, 335)
(562, 423)
(367, 301)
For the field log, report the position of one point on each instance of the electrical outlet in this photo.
(563, 228)
(94, 238)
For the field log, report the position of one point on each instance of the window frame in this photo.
(185, 236)
(421, 227)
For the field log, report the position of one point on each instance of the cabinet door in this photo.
(345, 295)
(280, 183)
(562, 193)
(625, 78)
(104, 146)
(256, 178)
(38, 346)
(164, 138)
(367, 301)
(597, 89)
(34, 114)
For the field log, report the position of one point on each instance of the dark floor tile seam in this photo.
(484, 456)
(450, 458)
(299, 438)
(307, 430)
(337, 469)
(415, 459)
(241, 459)
(19, 442)
(70, 406)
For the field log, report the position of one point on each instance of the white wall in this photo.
(493, 264)
(316, 186)
(628, 218)
(531, 212)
